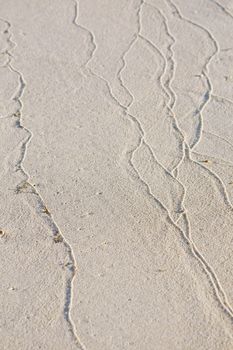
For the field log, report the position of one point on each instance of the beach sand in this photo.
(116, 153)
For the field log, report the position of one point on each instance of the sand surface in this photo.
(116, 154)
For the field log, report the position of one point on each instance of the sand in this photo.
(116, 155)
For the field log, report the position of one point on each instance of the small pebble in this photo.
(12, 288)
(58, 238)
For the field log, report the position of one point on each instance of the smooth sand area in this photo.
(116, 154)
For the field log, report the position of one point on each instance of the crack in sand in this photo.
(135, 37)
(169, 58)
(141, 131)
(219, 137)
(218, 290)
(135, 121)
(174, 120)
(25, 184)
(220, 293)
(221, 98)
(207, 96)
(216, 284)
(223, 8)
(216, 287)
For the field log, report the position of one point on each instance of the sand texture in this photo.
(116, 154)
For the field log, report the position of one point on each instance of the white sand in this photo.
(116, 155)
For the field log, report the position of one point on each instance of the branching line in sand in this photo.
(58, 237)
(167, 85)
(223, 8)
(221, 98)
(125, 109)
(166, 91)
(217, 289)
(169, 58)
(220, 293)
(207, 95)
(133, 119)
(219, 137)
